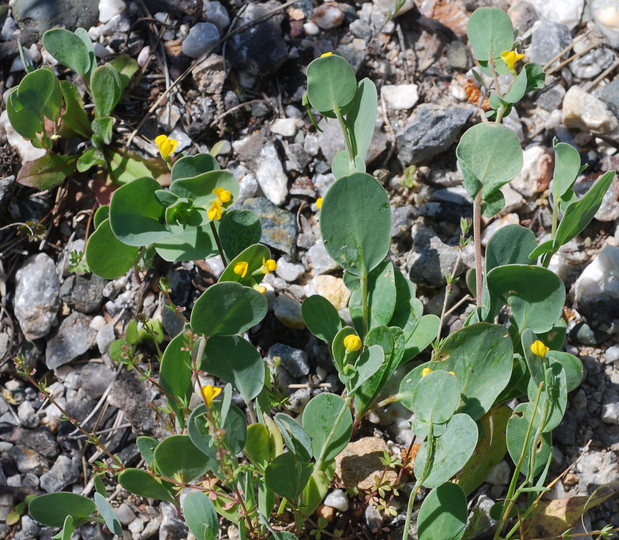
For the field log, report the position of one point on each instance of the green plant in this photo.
(251, 473)
(48, 111)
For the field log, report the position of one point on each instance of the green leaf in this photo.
(106, 89)
(319, 417)
(490, 32)
(321, 318)
(46, 172)
(535, 294)
(366, 365)
(239, 229)
(451, 451)
(136, 216)
(143, 484)
(227, 309)
(108, 514)
(490, 448)
(297, 441)
(518, 88)
(234, 426)
(68, 48)
(554, 396)
(342, 166)
(567, 169)
(200, 515)
(67, 530)
(286, 476)
(52, 509)
(493, 204)
(361, 119)
(236, 361)
(106, 255)
(200, 188)
(146, 446)
(481, 357)
(74, 120)
(316, 490)
(25, 122)
(331, 83)
(99, 485)
(572, 367)
(83, 35)
(187, 243)
(191, 166)
(125, 167)
(126, 67)
(177, 456)
(444, 509)
(258, 446)
(355, 221)
(491, 155)
(37, 89)
(579, 214)
(175, 374)
(103, 130)
(381, 297)
(436, 397)
(535, 76)
(515, 436)
(92, 157)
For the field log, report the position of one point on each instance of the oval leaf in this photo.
(52, 509)
(178, 456)
(319, 417)
(444, 509)
(200, 515)
(331, 83)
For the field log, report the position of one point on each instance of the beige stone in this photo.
(358, 465)
(584, 111)
(333, 289)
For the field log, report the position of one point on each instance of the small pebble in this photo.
(337, 499)
(202, 37)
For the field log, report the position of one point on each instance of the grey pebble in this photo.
(293, 360)
(73, 338)
(63, 473)
(201, 38)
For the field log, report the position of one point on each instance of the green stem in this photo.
(218, 242)
(479, 279)
(340, 119)
(511, 492)
(331, 434)
(364, 303)
(420, 481)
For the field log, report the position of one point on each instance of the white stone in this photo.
(271, 176)
(610, 409)
(526, 182)
(584, 111)
(310, 28)
(168, 117)
(499, 474)
(612, 355)
(600, 279)
(286, 127)
(183, 139)
(388, 6)
(289, 271)
(108, 9)
(567, 12)
(101, 51)
(337, 499)
(400, 97)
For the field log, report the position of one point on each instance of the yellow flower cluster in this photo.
(216, 211)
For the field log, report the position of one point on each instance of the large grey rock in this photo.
(27, 460)
(432, 258)
(567, 12)
(430, 130)
(40, 440)
(73, 338)
(95, 378)
(261, 49)
(597, 468)
(36, 16)
(37, 296)
(172, 527)
(83, 293)
(293, 360)
(64, 472)
(548, 40)
(279, 227)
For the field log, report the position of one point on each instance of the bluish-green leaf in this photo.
(319, 417)
(68, 49)
(321, 318)
(490, 32)
(287, 476)
(443, 513)
(331, 83)
(200, 515)
(175, 374)
(106, 255)
(52, 509)
(178, 456)
(108, 514)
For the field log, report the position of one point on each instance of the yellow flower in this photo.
(240, 268)
(539, 349)
(260, 288)
(319, 202)
(209, 393)
(268, 266)
(452, 373)
(215, 211)
(510, 58)
(223, 195)
(352, 343)
(326, 54)
(166, 146)
(425, 371)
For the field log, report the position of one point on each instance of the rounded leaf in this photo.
(515, 437)
(355, 221)
(443, 513)
(321, 317)
(227, 309)
(145, 485)
(200, 515)
(177, 455)
(286, 476)
(319, 417)
(190, 166)
(175, 374)
(436, 397)
(331, 83)
(52, 509)
(106, 255)
(68, 48)
(235, 427)
(490, 32)
(238, 230)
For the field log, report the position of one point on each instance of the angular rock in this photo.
(202, 37)
(591, 64)
(37, 296)
(271, 176)
(288, 312)
(537, 167)
(293, 360)
(333, 289)
(172, 527)
(568, 12)
(548, 40)
(606, 15)
(73, 338)
(399, 97)
(431, 259)
(41, 440)
(27, 460)
(320, 260)
(64, 472)
(83, 293)
(430, 130)
(289, 271)
(584, 111)
(359, 465)
(597, 468)
(279, 227)
(261, 49)
(95, 378)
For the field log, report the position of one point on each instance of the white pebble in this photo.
(338, 500)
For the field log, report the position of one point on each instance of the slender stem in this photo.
(340, 119)
(420, 480)
(218, 242)
(512, 486)
(494, 76)
(331, 434)
(479, 279)
(448, 290)
(364, 302)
